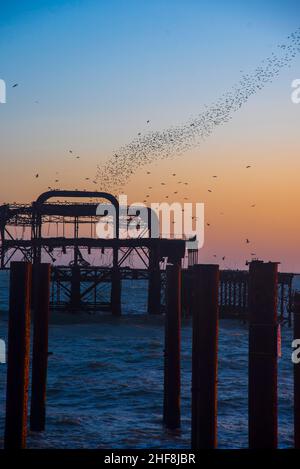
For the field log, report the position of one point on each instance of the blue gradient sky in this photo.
(100, 69)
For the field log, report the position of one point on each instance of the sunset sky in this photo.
(91, 73)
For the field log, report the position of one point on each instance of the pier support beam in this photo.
(154, 286)
(204, 356)
(297, 373)
(18, 356)
(171, 414)
(41, 290)
(262, 404)
(75, 287)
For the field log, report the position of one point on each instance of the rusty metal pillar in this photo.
(171, 415)
(297, 373)
(262, 398)
(204, 357)
(18, 356)
(40, 346)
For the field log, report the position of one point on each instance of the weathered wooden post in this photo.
(154, 286)
(262, 398)
(204, 356)
(171, 415)
(41, 289)
(18, 356)
(297, 373)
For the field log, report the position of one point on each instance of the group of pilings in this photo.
(29, 291)
(263, 352)
(29, 285)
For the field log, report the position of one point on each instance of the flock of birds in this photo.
(158, 145)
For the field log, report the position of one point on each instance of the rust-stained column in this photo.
(172, 348)
(204, 359)
(262, 412)
(297, 373)
(41, 290)
(18, 356)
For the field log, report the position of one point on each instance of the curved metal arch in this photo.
(42, 198)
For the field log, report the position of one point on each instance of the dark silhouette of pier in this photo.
(78, 285)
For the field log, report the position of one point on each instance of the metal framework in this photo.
(50, 230)
(64, 234)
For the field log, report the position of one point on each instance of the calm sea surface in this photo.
(105, 381)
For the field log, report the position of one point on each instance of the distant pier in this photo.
(26, 233)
